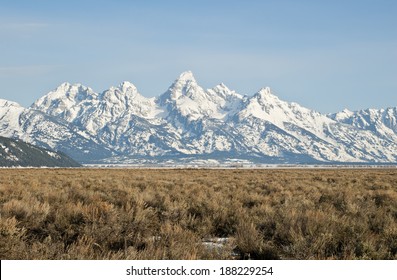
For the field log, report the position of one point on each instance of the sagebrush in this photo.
(183, 213)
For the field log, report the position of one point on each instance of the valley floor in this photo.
(114, 213)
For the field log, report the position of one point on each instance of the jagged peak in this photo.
(181, 87)
(222, 90)
(186, 76)
(265, 91)
(222, 87)
(70, 91)
(66, 86)
(124, 86)
(265, 94)
(347, 112)
(8, 103)
(125, 91)
(66, 92)
(186, 79)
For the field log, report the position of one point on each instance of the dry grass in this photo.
(167, 214)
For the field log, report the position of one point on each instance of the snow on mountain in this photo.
(382, 122)
(119, 118)
(81, 105)
(16, 153)
(9, 118)
(181, 121)
(229, 102)
(372, 119)
(266, 106)
(279, 128)
(198, 117)
(38, 128)
(64, 101)
(187, 99)
(187, 121)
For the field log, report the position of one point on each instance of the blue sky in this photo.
(325, 55)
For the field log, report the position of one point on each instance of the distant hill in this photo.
(18, 153)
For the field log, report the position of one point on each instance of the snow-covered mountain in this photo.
(187, 123)
(186, 99)
(38, 128)
(382, 122)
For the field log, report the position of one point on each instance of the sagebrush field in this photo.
(198, 214)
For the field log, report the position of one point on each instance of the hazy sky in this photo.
(325, 55)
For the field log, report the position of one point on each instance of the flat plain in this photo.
(198, 213)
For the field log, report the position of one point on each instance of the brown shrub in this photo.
(168, 214)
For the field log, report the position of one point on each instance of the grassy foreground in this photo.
(178, 214)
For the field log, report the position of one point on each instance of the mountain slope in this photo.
(382, 122)
(278, 128)
(18, 153)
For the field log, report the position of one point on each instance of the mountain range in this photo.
(188, 124)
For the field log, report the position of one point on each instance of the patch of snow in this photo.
(53, 154)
